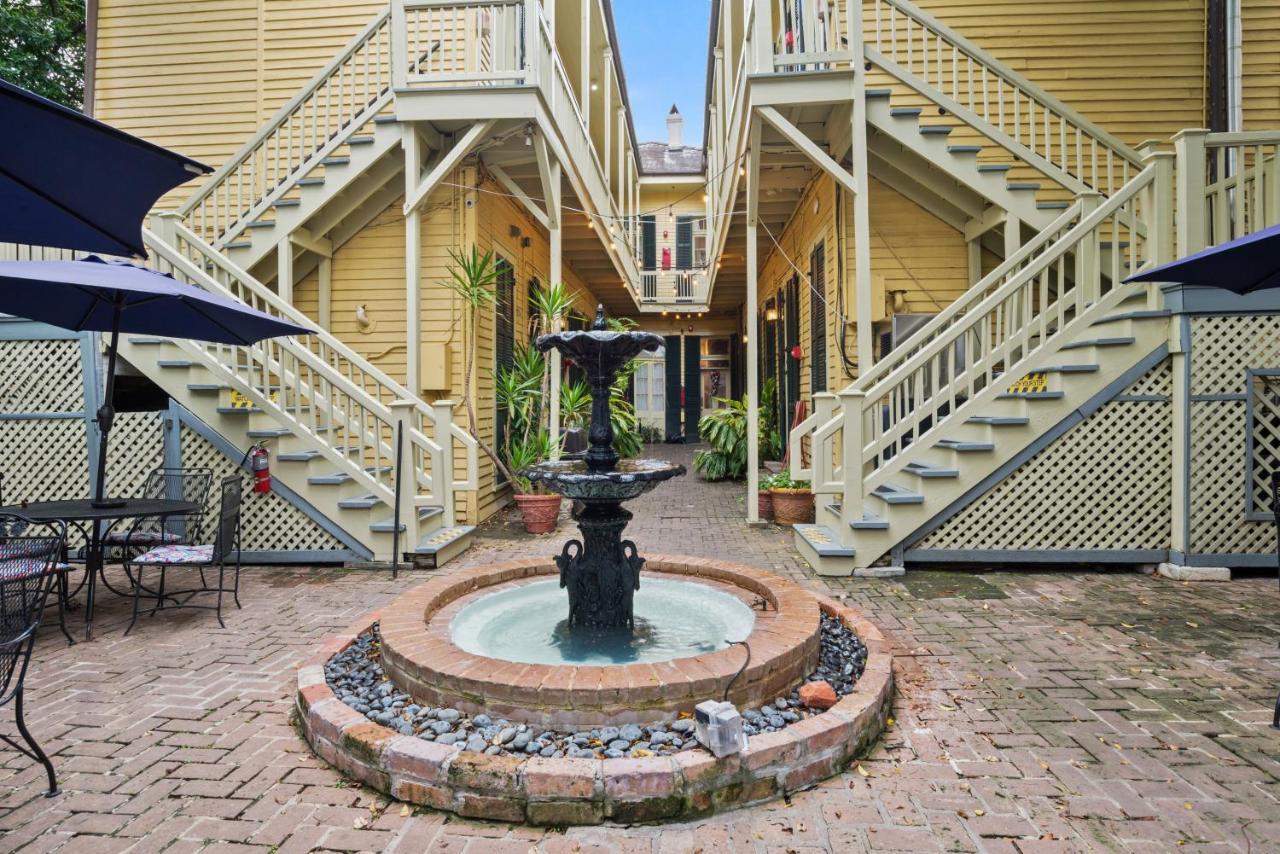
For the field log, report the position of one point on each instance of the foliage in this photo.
(529, 451)
(42, 48)
(575, 404)
(725, 430)
(770, 438)
(782, 480)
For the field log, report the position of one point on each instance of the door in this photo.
(671, 379)
(692, 386)
(504, 344)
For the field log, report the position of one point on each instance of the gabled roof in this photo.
(657, 158)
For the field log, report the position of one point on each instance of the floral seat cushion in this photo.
(177, 554)
(141, 538)
(23, 558)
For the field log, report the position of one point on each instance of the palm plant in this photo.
(725, 431)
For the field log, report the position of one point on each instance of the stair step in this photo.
(147, 341)
(269, 433)
(298, 456)
(1014, 186)
(384, 120)
(999, 420)
(962, 447)
(287, 203)
(1052, 206)
(1070, 369)
(1031, 395)
(387, 526)
(440, 546)
(823, 541)
(238, 244)
(335, 161)
(310, 182)
(1143, 314)
(905, 112)
(360, 140)
(202, 388)
(360, 502)
(1122, 341)
(175, 364)
(890, 494)
(994, 167)
(340, 477)
(929, 471)
(936, 130)
(879, 93)
(964, 149)
(262, 223)
(869, 522)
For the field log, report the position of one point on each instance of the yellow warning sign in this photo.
(239, 401)
(1031, 383)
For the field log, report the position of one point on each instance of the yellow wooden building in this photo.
(915, 216)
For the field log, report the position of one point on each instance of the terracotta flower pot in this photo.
(792, 506)
(764, 500)
(539, 512)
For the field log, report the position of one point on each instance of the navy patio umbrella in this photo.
(95, 295)
(1249, 263)
(72, 182)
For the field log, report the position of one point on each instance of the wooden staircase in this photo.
(1048, 331)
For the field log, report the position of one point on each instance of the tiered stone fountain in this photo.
(486, 662)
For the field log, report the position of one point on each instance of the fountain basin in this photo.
(561, 791)
(420, 655)
(628, 479)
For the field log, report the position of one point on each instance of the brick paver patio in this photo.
(1037, 712)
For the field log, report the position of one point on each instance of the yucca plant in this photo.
(575, 404)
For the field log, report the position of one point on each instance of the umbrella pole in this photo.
(107, 413)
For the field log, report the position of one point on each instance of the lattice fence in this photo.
(270, 523)
(1224, 346)
(41, 376)
(1263, 448)
(1105, 484)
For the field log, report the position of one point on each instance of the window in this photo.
(649, 242)
(684, 242)
(651, 385)
(818, 320)
(504, 342)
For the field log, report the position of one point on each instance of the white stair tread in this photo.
(823, 541)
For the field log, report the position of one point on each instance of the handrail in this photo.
(1240, 172)
(1032, 94)
(219, 205)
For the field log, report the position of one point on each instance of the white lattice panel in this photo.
(269, 523)
(1218, 521)
(136, 447)
(1223, 347)
(41, 376)
(1264, 428)
(1105, 484)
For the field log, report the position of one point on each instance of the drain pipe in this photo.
(744, 645)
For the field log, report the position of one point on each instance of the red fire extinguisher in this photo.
(666, 257)
(260, 465)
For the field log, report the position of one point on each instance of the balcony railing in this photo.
(673, 287)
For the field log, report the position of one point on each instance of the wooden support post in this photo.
(861, 211)
(753, 311)
(443, 479)
(404, 412)
(1012, 234)
(1160, 218)
(1193, 221)
(585, 78)
(974, 248)
(1180, 356)
(324, 298)
(853, 405)
(399, 45)
(284, 269)
(761, 61)
(550, 171)
(607, 84)
(413, 160)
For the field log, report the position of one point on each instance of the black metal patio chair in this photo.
(224, 549)
(147, 532)
(28, 566)
(17, 526)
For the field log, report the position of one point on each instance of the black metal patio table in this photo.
(83, 512)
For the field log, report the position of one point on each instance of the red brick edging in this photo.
(589, 791)
(420, 657)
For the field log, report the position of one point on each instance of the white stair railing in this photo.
(911, 43)
(440, 43)
(1040, 298)
(1229, 185)
(322, 389)
(352, 88)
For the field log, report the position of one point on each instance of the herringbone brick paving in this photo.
(1037, 712)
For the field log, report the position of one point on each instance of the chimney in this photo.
(675, 129)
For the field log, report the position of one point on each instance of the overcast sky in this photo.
(664, 56)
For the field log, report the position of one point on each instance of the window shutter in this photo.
(684, 242)
(504, 343)
(818, 320)
(649, 241)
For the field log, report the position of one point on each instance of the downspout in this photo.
(1235, 67)
(90, 54)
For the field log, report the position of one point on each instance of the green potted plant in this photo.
(539, 509)
(792, 499)
(725, 431)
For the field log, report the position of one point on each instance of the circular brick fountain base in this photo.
(419, 658)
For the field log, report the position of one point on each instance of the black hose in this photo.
(740, 669)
